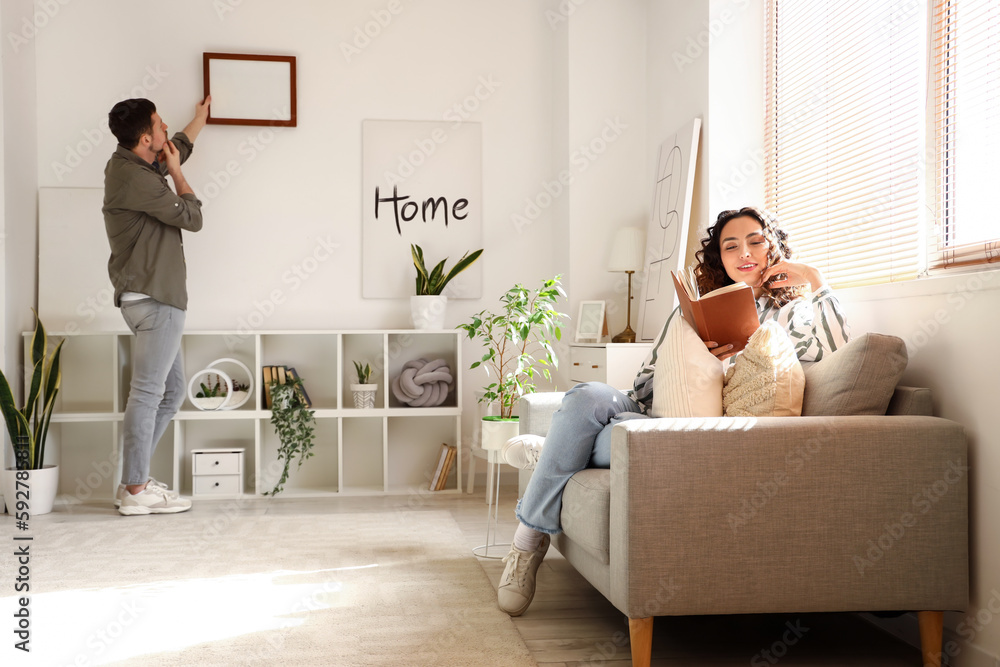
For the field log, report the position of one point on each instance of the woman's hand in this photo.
(722, 352)
(794, 273)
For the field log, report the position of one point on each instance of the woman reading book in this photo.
(744, 245)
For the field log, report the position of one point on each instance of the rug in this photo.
(380, 588)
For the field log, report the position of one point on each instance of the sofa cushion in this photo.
(687, 380)
(586, 511)
(766, 379)
(857, 379)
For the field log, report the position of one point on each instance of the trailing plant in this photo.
(28, 426)
(364, 373)
(526, 323)
(295, 425)
(431, 283)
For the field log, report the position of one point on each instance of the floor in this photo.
(570, 623)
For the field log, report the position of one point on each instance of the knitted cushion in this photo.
(766, 379)
(687, 380)
(422, 383)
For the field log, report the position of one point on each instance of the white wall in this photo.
(20, 184)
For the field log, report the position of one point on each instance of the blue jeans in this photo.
(158, 386)
(579, 437)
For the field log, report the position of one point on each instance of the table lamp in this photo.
(627, 254)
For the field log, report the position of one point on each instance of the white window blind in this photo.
(966, 84)
(844, 125)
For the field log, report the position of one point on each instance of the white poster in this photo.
(422, 185)
(666, 236)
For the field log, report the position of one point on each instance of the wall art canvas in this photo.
(422, 185)
(666, 235)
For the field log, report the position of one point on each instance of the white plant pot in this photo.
(364, 395)
(427, 311)
(42, 486)
(498, 431)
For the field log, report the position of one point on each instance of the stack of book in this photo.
(445, 462)
(281, 375)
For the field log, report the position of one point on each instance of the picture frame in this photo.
(250, 89)
(592, 322)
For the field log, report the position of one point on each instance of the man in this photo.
(144, 219)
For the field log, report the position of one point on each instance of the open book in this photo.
(726, 315)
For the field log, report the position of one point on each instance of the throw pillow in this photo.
(687, 379)
(766, 379)
(857, 379)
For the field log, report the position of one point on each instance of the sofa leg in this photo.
(931, 634)
(640, 632)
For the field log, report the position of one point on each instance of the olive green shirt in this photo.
(144, 219)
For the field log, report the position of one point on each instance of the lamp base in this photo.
(627, 336)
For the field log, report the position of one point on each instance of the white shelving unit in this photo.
(391, 449)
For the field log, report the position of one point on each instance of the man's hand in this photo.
(200, 118)
(172, 158)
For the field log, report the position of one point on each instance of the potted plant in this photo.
(427, 306)
(364, 390)
(295, 425)
(512, 338)
(30, 479)
(213, 389)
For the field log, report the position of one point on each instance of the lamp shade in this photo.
(628, 250)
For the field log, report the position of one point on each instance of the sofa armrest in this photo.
(788, 514)
(535, 411)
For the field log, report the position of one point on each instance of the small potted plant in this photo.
(427, 306)
(364, 389)
(214, 389)
(295, 425)
(28, 427)
(513, 337)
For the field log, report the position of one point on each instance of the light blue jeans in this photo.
(579, 437)
(158, 386)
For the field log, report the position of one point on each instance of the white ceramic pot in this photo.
(427, 311)
(41, 489)
(496, 431)
(364, 395)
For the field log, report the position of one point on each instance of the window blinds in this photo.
(966, 85)
(844, 124)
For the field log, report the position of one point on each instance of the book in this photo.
(436, 477)
(268, 374)
(727, 315)
(292, 374)
(449, 461)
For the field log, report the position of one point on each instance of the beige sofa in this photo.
(773, 515)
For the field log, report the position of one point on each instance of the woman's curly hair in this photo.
(711, 273)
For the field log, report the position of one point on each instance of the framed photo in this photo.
(250, 89)
(592, 323)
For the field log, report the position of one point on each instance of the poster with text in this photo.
(422, 185)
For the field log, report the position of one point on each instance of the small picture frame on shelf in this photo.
(592, 322)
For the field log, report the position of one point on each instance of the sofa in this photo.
(744, 515)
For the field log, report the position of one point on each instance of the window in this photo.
(847, 172)
(966, 130)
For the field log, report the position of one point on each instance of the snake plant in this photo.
(432, 283)
(29, 425)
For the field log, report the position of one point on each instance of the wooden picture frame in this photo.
(250, 89)
(592, 323)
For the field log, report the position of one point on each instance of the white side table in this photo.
(615, 364)
(217, 473)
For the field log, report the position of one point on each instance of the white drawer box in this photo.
(207, 485)
(218, 463)
(587, 364)
(615, 364)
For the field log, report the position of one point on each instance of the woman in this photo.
(743, 245)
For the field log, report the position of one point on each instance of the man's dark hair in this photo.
(130, 119)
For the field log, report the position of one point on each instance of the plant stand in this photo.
(495, 432)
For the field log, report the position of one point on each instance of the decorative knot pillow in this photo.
(766, 379)
(687, 378)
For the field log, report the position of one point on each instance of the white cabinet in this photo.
(390, 449)
(217, 473)
(615, 364)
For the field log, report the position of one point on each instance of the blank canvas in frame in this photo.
(666, 236)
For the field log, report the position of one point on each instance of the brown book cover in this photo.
(268, 379)
(446, 470)
(727, 315)
(436, 478)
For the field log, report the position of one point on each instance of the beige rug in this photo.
(385, 588)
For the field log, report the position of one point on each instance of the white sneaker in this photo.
(120, 493)
(153, 500)
(517, 585)
(522, 451)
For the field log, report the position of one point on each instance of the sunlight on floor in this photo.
(99, 626)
